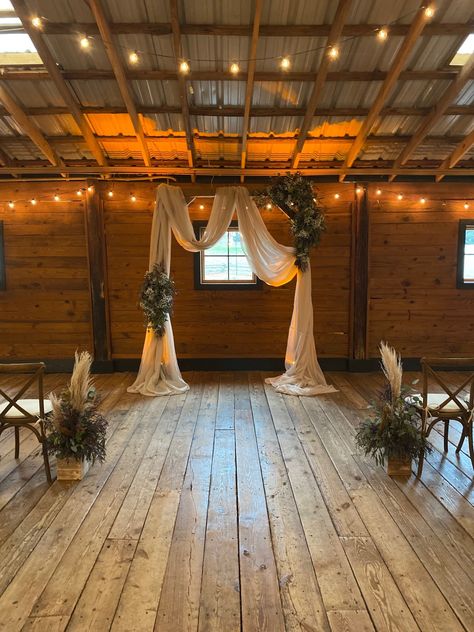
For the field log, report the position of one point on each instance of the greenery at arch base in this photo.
(296, 196)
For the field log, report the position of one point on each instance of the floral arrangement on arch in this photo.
(296, 196)
(75, 429)
(156, 298)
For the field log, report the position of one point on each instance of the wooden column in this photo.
(97, 257)
(360, 274)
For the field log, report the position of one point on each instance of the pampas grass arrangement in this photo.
(392, 369)
(75, 428)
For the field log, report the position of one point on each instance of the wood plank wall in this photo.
(45, 309)
(412, 297)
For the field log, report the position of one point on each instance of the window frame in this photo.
(226, 285)
(464, 224)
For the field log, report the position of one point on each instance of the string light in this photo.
(33, 201)
(399, 196)
(269, 206)
(336, 196)
(11, 204)
(133, 58)
(201, 207)
(359, 190)
(110, 193)
(234, 68)
(429, 11)
(382, 34)
(378, 192)
(36, 22)
(85, 43)
(79, 193)
(466, 205)
(184, 67)
(133, 198)
(422, 200)
(333, 52)
(90, 188)
(56, 198)
(285, 63)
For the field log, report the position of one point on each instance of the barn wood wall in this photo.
(412, 297)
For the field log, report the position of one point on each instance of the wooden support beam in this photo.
(250, 81)
(461, 150)
(405, 50)
(119, 72)
(183, 95)
(54, 73)
(97, 259)
(437, 111)
(243, 30)
(360, 274)
(11, 74)
(320, 79)
(27, 125)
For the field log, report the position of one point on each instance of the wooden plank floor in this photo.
(235, 508)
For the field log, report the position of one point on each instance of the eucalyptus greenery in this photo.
(156, 298)
(297, 198)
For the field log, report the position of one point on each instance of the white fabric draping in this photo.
(159, 373)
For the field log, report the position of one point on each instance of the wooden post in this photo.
(97, 257)
(360, 273)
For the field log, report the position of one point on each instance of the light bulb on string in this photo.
(56, 198)
(11, 204)
(466, 205)
(422, 200)
(333, 52)
(234, 68)
(85, 43)
(201, 207)
(184, 67)
(110, 194)
(133, 198)
(399, 196)
(36, 22)
(378, 192)
(285, 63)
(79, 193)
(336, 196)
(429, 11)
(382, 34)
(90, 188)
(133, 57)
(33, 201)
(359, 190)
(268, 206)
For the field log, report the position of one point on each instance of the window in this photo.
(16, 47)
(224, 265)
(464, 52)
(466, 254)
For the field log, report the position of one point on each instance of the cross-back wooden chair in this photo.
(17, 412)
(452, 403)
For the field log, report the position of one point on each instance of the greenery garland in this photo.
(156, 298)
(296, 197)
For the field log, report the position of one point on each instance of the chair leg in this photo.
(421, 460)
(461, 440)
(46, 463)
(446, 435)
(17, 442)
(471, 443)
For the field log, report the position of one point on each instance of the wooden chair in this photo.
(17, 413)
(449, 404)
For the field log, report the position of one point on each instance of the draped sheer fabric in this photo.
(272, 262)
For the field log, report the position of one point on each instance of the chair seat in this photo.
(30, 405)
(434, 402)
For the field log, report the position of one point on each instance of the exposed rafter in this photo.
(27, 125)
(461, 150)
(55, 75)
(183, 95)
(438, 110)
(250, 81)
(119, 72)
(243, 30)
(385, 91)
(320, 79)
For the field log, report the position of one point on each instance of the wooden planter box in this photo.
(71, 469)
(398, 467)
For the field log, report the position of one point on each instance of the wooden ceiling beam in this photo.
(250, 81)
(237, 171)
(238, 111)
(461, 150)
(9, 74)
(242, 30)
(436, 112)
(54, 74)
(119, 72)
(27, 125)
(183, 94)
(320, 79)
(401, 58)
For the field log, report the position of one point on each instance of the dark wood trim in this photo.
(3, 282)
(460, 283)
(97, 258)
(360, 274)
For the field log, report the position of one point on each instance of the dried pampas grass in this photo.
(81, 381)
(392, 369)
